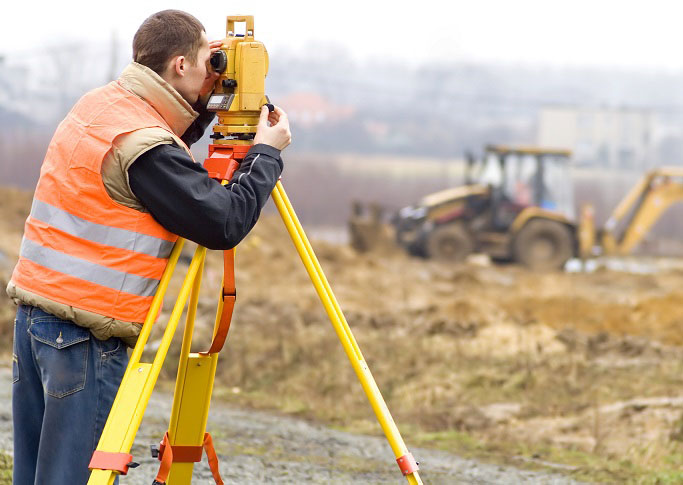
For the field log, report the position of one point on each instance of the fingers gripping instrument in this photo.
(237, 99)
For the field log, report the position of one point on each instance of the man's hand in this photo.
(211, 75)
(273, 128)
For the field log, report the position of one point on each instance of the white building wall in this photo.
(608, 137)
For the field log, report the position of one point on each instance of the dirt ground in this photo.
(256, 447)
(579, 372)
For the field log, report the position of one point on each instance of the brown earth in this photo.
(584, 369)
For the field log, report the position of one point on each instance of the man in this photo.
(117, 186)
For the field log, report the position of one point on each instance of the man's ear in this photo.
(179, 65)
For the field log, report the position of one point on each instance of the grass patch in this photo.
(582, 466)
(5, 469)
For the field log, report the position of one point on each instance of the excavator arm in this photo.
(644, 204)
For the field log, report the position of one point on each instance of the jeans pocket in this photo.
(61, 349)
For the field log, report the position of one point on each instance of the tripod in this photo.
(186, 439)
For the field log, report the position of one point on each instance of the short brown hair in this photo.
(164, 35)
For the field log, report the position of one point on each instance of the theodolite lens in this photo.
(219, 61)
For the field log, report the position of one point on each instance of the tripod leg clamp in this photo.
(407, 464)
(106, 460)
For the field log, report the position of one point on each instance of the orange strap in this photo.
(212, 458)
(229, 297)
(186, 454)
(222, 163)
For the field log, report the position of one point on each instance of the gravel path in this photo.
(257, 447)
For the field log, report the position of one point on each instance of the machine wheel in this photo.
(449, 242)
(543, 245)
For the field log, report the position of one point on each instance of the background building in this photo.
(620, 138)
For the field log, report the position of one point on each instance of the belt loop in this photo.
(24, 308)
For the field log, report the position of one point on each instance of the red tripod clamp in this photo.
(407, 464)
(224, 160)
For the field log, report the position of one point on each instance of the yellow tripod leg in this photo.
(139, 380)
(343, 331)
(196, 372)
(192, 396)
(193, 412)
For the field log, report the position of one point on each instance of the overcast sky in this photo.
(609, 33)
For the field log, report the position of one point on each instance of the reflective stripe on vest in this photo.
(111, 236)
(81, 248)
(87, 270)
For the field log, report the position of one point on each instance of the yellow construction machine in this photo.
(518, 205)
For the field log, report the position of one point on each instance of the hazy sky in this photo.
(608, 33)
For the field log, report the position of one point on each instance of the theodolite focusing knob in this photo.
(229, 83)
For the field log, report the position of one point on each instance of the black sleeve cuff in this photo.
(268, 150)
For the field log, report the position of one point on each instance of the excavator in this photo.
(517, 204)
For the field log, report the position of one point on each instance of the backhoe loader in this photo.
(517, 204)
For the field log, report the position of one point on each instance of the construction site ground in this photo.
(539, 377)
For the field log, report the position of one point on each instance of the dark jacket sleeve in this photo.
(182, 198)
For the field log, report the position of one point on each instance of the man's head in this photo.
(174, 45)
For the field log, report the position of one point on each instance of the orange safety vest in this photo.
(81, 248)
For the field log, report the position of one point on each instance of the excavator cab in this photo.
(525, 177)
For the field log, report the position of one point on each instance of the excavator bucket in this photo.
(367, 230)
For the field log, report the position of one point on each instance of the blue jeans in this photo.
(64, 383)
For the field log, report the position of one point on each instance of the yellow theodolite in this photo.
(238, 97)
(240, 91)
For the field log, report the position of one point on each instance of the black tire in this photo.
(449, 242)
(543, 245)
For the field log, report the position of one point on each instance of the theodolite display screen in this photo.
(220, 102)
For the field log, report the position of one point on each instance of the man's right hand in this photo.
(273, 128)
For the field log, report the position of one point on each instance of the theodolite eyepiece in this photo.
(219, 61)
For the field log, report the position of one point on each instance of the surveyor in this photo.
(117, 186)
